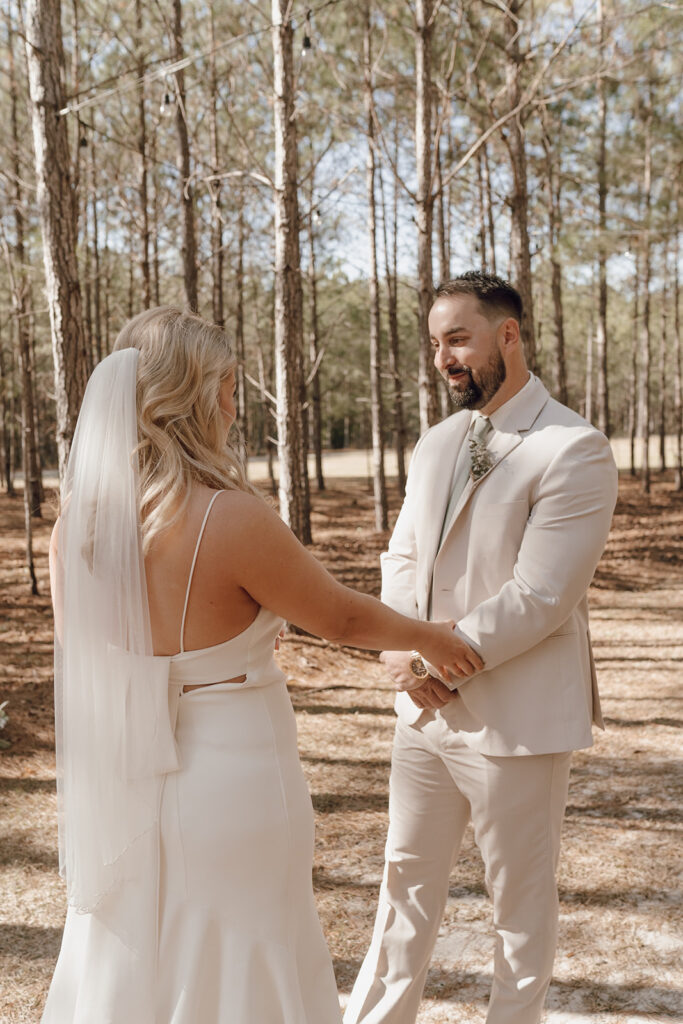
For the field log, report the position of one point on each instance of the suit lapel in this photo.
(438, 491)
(500, 445)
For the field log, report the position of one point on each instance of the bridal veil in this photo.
(114, 734)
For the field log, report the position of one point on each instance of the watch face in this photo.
(418, 667)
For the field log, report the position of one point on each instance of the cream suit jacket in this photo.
(513, 572)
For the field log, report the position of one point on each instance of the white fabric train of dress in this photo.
(239, 940)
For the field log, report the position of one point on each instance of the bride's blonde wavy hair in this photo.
(181, 432)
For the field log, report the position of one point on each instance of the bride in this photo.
(185, 822)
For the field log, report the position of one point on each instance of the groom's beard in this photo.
(480, 385)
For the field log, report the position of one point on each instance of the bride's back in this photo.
(218, 608)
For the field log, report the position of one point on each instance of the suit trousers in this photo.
(516, 805)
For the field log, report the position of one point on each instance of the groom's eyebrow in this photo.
(449, 331)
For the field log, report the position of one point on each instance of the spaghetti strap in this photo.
(194, 562)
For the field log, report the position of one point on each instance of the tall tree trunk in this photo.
(21, 300)
(75, 123)
(444, 258)
(97, 282)
(424, 208)
(305, 479)
(56, 200)
(558, 307)
(266, 412)
(515, 139)
(441, 233)
(26, 440)
(143, 190)
(678, 374)
(216, 212)
(242, 417)
(107, 280)
(483, 257)
(645, 335)
(601, 339)
(156, 290)
(376, 404)
(36, 425)
(391, 273)
(26, 425)
(29, 510)
(447, 204)
(187, 192)
(489, 206)
(554, 193)
(8, 418)
(29, 461)
(131, 266)
(635, 337)
(588, 406)
(314, 356)
(663, 340)
(87, 279)
(288, 292)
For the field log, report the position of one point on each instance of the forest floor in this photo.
(620, 950)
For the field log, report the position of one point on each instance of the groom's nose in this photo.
(443, 356)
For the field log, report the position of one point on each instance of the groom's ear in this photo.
(509, 336)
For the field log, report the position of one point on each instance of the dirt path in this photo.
(620, 950)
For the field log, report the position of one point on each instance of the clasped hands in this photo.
(425, 693)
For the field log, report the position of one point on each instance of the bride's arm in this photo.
(263, 556)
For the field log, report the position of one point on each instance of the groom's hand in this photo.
(431, 693)
(426, 693)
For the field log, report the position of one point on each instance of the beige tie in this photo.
(479, 430)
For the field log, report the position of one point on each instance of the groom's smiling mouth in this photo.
(456, 374)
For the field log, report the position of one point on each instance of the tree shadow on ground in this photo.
(334, 709)
(30, 942)
(348, 762)
(643, 900)
(16, 851)
(338, 803)
(13, 785)
(457, 986)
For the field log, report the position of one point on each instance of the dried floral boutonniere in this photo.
(480, 458)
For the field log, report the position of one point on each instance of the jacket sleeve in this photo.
(563, 540)
(399, 563)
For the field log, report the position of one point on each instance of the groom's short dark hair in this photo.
(495, 294)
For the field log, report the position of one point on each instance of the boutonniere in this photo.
(480, 458)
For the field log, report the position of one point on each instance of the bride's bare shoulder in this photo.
(241, 512)
(240, 525)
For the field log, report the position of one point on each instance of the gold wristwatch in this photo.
(417, 666)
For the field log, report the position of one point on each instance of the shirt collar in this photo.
(507, 412)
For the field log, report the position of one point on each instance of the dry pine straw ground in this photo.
(619, 952)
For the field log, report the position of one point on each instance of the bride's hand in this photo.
(450, 655)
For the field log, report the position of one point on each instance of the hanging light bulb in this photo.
(168, 102)
(307, 45)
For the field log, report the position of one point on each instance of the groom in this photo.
(507, 510)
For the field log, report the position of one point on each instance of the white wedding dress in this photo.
(238, 937)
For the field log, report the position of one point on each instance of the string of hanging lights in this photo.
(166, 71)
